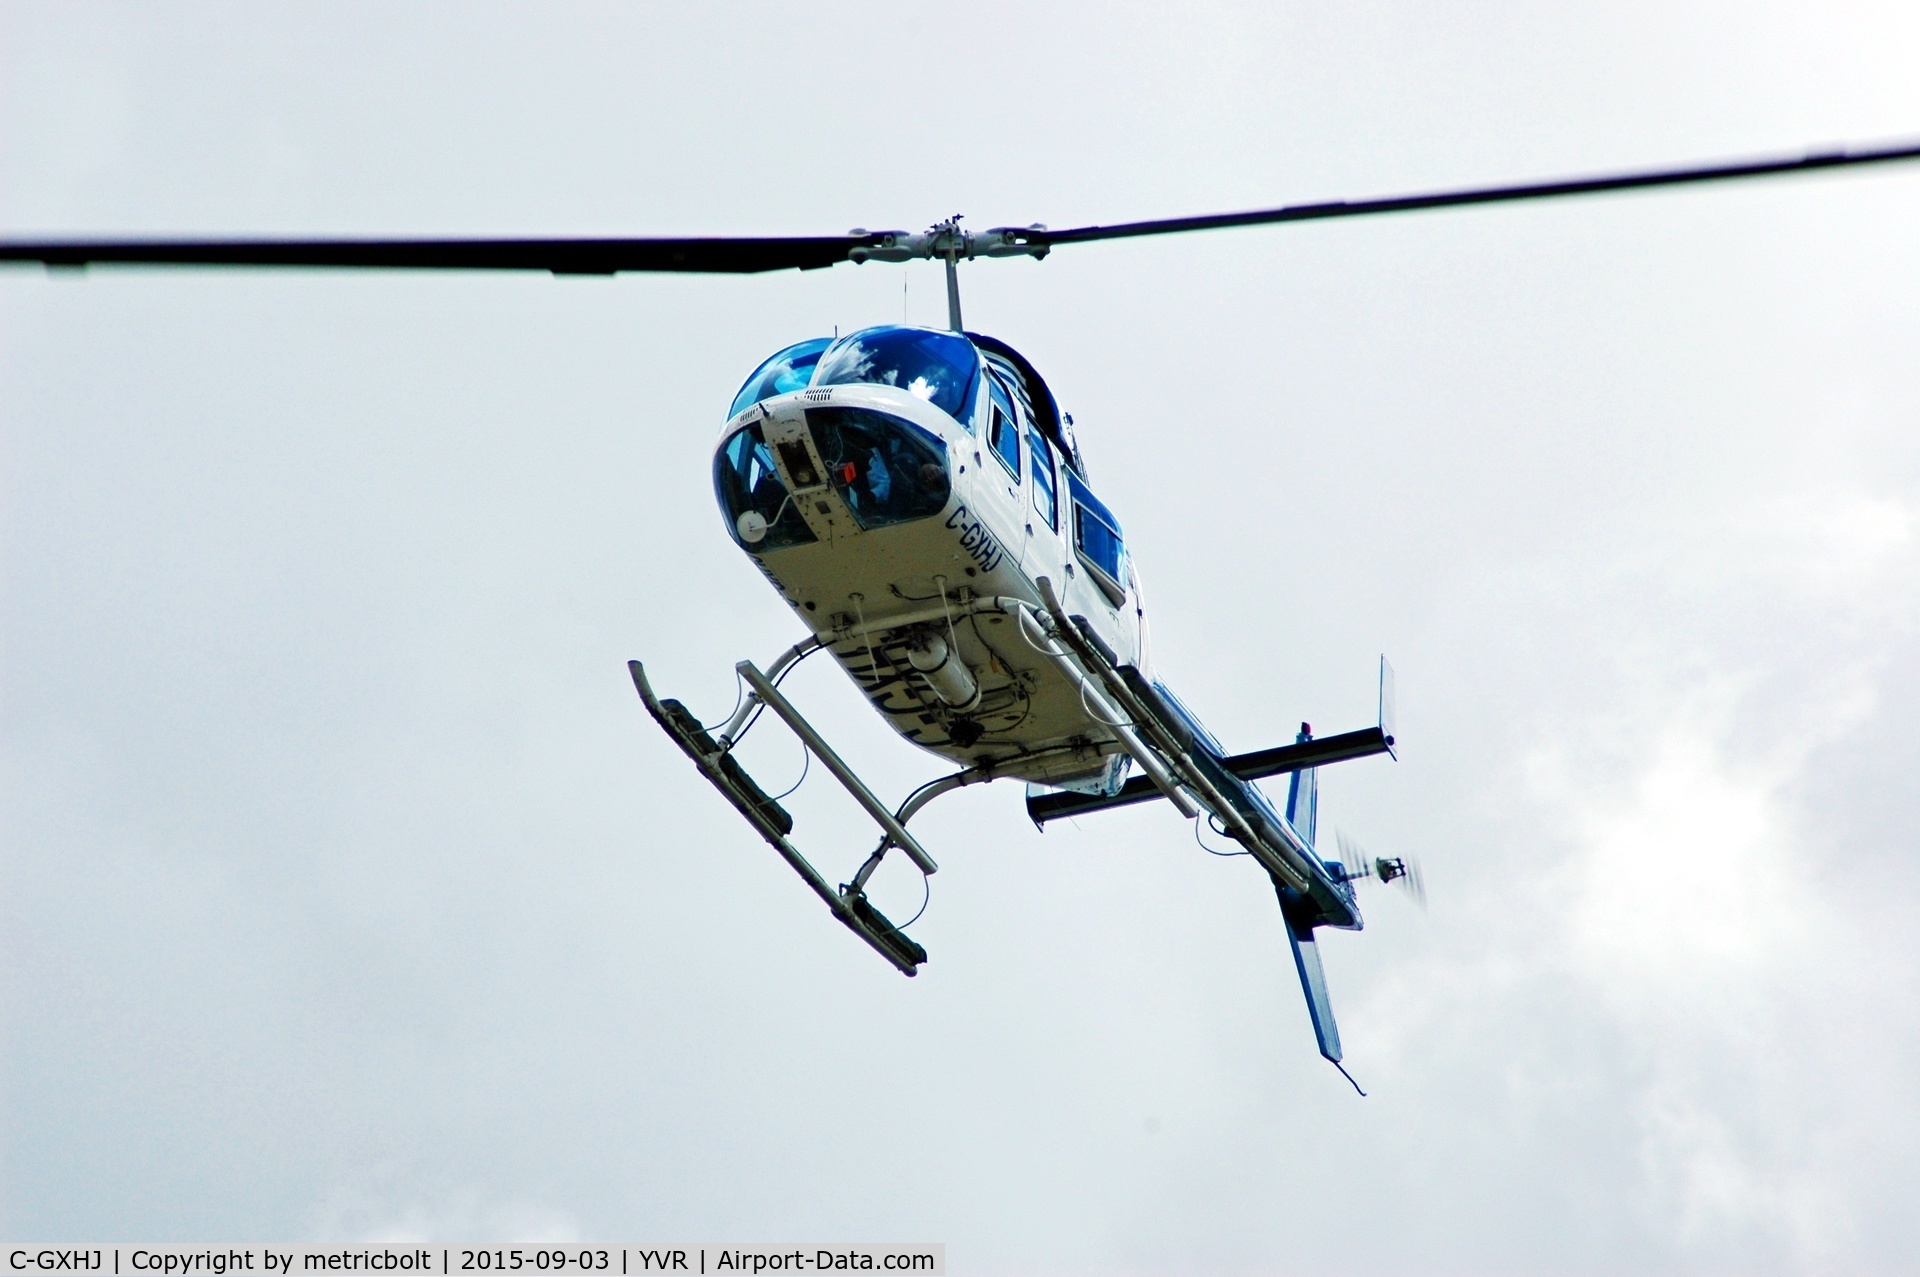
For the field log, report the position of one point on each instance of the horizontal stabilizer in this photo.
(1260, 763)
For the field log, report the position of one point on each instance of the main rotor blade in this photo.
(1488, 194)
(723, 255)
(559, 256)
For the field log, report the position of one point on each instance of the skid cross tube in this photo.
(713, 765)
(772, 823)
(896, 832)
(729, 735)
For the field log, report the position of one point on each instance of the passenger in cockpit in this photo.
(901, 482)
(879, 480)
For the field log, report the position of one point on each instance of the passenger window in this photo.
(1042, 476)
(1006, 442)
(1096, 535)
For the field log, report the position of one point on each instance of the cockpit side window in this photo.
(997, 391)
(760, 514)
(1036, 402)
(887, 470)
(1042, 454)
(1006, 443)
(1009, 376)
(1003, 435)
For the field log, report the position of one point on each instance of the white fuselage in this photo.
(891, 601)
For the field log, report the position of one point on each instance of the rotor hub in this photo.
(947, 241)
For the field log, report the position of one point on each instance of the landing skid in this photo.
(715, 761)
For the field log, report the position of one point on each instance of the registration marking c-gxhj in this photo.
(979, 542)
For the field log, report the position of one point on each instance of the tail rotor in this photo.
(1356, 864)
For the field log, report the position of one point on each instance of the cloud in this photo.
(385, 1214)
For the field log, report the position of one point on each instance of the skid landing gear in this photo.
(715, 760)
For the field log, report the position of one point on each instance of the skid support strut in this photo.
(715, 761)
(896, 832)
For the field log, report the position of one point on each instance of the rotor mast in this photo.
(953, 296)
(950, 250)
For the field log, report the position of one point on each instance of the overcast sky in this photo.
(348, 891)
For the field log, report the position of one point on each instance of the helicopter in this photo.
(921, 501)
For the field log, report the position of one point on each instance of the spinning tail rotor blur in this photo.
(1402, 872)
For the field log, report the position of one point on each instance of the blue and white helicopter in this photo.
(921, 502)
(919, 499)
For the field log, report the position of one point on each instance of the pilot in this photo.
(902, 487)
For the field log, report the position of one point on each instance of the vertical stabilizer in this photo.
(1303, 792)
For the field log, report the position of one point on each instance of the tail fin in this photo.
(1303, 793)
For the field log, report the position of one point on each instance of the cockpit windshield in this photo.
(791, 369)
(941, 367)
